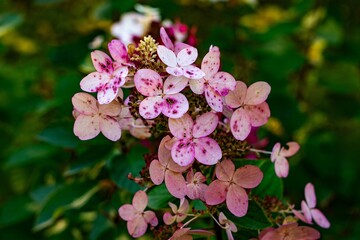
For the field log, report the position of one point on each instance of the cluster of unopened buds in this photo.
(203, 117)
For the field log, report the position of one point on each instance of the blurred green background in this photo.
(54, 186)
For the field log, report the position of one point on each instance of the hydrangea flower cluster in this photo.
(202, 117)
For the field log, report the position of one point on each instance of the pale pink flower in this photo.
(195, 187)
(309, 212)
(192, 141)
(228, 225)
(279, 155)
(289, 231)
(160, 98)
(215, 84)
(138, 219)
(166, 169)
(179, 213)
(136, 127)
(230, 185)
(252, 110)
(185, 234)
(93, 118)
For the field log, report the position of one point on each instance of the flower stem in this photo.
(260, 151)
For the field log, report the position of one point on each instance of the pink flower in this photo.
(290, 231)
(195, 188)
(279, 157)
(252, 110)
(230, 185)
(93, 118)
(166, 168)
(160, 98)
(178, 58)
(215, 84)
(191, 139)
(180, 213)
(137, 219)
(136, 127)
(185, 234)
(309, 211)
(228, 225)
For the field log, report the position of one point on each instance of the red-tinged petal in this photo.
(306, 211)
(293, 147)
(94, 81)
(148, 82)
(175, 84)
(140, 201)
(237, 200)
(102, 62)
(236, 98)
(167, 56)
(310, 196)
(165, 39)
(180, 46)
(213, 99)
(248, 176)
(118, 51)
(225, 170)
(192, 72)
(187, 56)
(258, 114)
(257, 93)
(118, 78)
(223, 83)
(320, 218)
(86, 127)
(151, 107)
(168, 218)
(281, 167)
(112, 109)
(110, 128)
(175, 105)
(207, 150)
(240, 124)
(197, 85)
(205, 124)
(183, 152)
(211, 62)
(127, 212)
(181, 127)
(275, 152)
(84, 103)
(175, 183)
(137, 227)
(151, 218)
(216, 192)
(157, 172)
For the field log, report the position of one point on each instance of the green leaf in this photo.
(59, 136)
(331, 31)
(15, 210)
(100, 226)
(159, 197)
(199, 205)
(271, 185)
(9, 21)
(44, 2)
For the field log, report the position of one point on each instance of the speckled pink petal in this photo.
(187, 56)
(86, 127)
(110, 128)
(140, 201)
(306, 212)
(175, 183)
(94, 81)
(168, 218)
(213, 99)
(275, 152)
(180, 46)
(281, 167)
(107, 94)
(197, 85)
(151, 107)
(137, 227)
(175, 105)
(157, 172)
(320, 218)
(310, 196)
(211, 62)
(248, 176)
(165, 39)
(257, 93)
(119, 76)
(175, 71)
(102, 62)
(207, 150)
(293, 147)
(181, 127)
(236, 98)
(112, 109)
(175, 84)
(240, 124)
(216, 192)
(148, 82)
(237, 200)
(84, 103)
(223, 83)
(127, 212)
(258, 114)
(183, 152)
(118, 51)
(173, 166)
(167, 56)
(225, 170)
(205, 124)
(192, 72)
(151, 218)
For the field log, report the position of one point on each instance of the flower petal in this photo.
(112, 109)
(167, 56)
(180, 46)
(240, 124)
(197, 85)
(275, 152)
(137, 227)
(140, 201)
(102, 62)
(168, 218)
(258, 114)
(211, 62)
(223, 83)
(320, 218)
(205, 124)
(151, 107)
(157, 172)
(164, 154)
(86, 127)
(148, 82)
(225, 170)
(236, 98)
(84, 103)
(304, 232)
(237, 200)
(310, 196)
(216, 192)
(110, 128)
(187, 56)
(107, 94)
(306, 211)
(183, 152)
(181, 127)
(207, 151)
(281, 167)
(175, 105)
(151, 218)
(165, 39)
(175, 183)
(192, 72)
(293, 147)
(257, 93)
(248, 176)
(175, 71)
(175, 84)
(127, 212)
(213, 99)
(119, 76)
(118, 51)
(94, 81)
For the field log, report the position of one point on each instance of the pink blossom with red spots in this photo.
(279, 155)
(179, 213)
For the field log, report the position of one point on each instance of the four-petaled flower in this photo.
(289, 231)
(228, 225)
(138, 219)
(191, 139)
(179, 213)
(252, 110)
(279, 155)
(309, 212)
(230, 185)
(215, 84)
(195, 186)
(93, 118)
